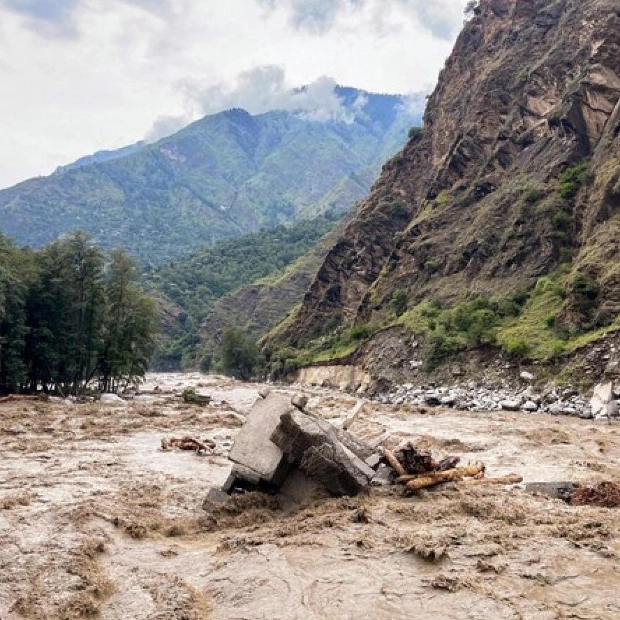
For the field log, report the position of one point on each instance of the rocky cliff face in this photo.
(515, 175)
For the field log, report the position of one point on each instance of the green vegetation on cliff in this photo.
(512, 185)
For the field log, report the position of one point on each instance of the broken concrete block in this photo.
(385, 476)
(373, 461)
(215, 497)
(253, 449)
(301, 489)
(240, 478)
(352, 416)
(312, 445)
(300, 401)
(361, 449)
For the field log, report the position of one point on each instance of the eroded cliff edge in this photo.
(514, 176)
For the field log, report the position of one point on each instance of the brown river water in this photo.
(97, 522)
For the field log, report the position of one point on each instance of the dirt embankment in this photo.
(95, 520)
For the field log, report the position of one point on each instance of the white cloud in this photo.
(265, 88)
(83, 75)
(442, 18)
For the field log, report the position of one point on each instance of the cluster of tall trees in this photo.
(70, 315)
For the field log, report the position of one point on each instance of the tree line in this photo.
(71, 315)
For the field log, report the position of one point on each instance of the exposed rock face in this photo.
(474, 202)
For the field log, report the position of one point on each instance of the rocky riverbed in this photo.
(549, 399)
(97, 521)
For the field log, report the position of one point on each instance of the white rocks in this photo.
(527, 376)
(529, 405)
(556, 409)
(602, 396)
(470, 396)
(510, 405)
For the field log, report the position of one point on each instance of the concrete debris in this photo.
(312, 445)
(264, 392)
(283, 449)
(279, 443)
(299, 401)
(253, 450)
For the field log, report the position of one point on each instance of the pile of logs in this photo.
(418, 470)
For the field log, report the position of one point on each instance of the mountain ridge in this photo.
(222, 176)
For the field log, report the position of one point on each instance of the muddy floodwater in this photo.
(96, 521)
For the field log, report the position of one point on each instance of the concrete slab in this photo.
(253, 448)
(312, 445)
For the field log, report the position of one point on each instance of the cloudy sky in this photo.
(78, 76)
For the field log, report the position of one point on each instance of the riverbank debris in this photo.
(201, 448)
(605, 494)
(281, 439)
(191, 397)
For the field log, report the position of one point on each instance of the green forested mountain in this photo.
(191, 289)
(223, 176)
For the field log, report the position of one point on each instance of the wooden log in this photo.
(441, 477)
(22, 397)
(379, 440)
(394, 462)
(509, 479)
(352, 416)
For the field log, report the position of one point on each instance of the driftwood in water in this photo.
(509, 479)
(21, 397)
(188, 443)
(394, 462)
(441, 477)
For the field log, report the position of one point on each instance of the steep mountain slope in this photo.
(223, 176)
(260, 305)
(515, 176)
(249, 282)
